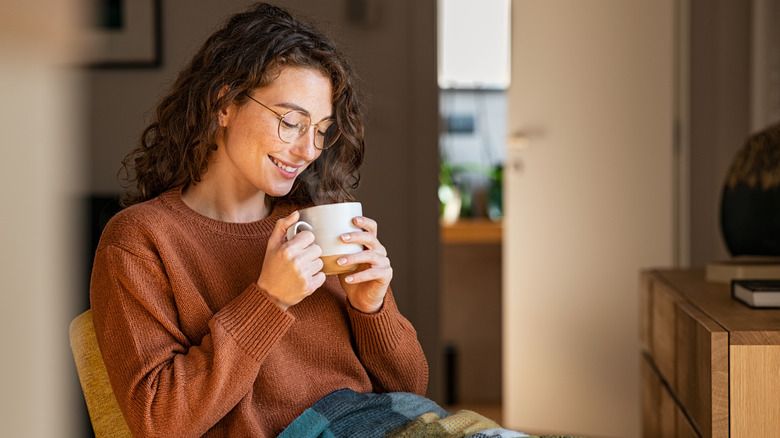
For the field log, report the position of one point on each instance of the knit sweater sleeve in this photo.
(165, 384)
(388, 348)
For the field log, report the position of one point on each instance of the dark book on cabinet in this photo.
(757, 293)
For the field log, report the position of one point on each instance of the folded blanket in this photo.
(463, 424)
(345, 414)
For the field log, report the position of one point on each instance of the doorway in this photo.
(473, 77)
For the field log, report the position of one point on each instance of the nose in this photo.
(304, 148)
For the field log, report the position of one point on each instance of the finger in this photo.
(279, 233)
(382, 275)
(365, 238)
(288, 221)
(367, 257)
(367, 224)
(304, 254)
(302, 239)
(315, 282)
(312, 270)
(312, 253)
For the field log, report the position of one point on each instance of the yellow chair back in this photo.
(107, 420)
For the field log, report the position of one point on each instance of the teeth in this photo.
(282, 166)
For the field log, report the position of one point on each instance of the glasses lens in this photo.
(327, 134)
(293, 125)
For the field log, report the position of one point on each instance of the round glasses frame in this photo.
(289, 131)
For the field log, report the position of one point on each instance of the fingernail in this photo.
(349, 279)
(342, 261)
(345, 237)
(358, 220)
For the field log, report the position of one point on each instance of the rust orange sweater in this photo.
(193, 347)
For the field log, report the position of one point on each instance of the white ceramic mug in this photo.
(328, 222)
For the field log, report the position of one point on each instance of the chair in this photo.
(104, 413)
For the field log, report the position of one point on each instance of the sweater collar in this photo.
(172, 199)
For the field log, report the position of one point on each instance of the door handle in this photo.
(523, 139)
(518, 142)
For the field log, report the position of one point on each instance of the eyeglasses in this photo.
(294, 125)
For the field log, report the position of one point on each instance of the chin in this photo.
(278, 192)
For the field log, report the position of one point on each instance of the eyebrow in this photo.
(294, 107)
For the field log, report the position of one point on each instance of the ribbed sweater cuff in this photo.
(254, 321)
(379, 332)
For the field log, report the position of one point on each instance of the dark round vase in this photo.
(750, 220)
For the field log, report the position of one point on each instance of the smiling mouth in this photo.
(282, 166)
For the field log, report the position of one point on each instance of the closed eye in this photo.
(287, 124)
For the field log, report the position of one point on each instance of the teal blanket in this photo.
(345, 413)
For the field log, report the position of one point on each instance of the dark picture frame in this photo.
(127, 34)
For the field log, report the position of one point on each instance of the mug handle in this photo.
(293, 230)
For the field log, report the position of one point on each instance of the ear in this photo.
(223, 117)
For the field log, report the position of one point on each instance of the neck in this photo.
(226, 205)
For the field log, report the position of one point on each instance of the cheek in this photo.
(246, 141)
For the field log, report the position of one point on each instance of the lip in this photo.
(288, 171)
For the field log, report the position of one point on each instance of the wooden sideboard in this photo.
(471, 231)
(710, 365)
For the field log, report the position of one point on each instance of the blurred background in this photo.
(525, 160)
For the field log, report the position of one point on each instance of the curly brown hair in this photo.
(244, 54)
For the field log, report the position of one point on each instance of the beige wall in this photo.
(39, 179)
(719, 92)
(765, 64)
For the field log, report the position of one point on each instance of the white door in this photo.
(589, 202)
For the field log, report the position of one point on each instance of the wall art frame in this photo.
(127, 34)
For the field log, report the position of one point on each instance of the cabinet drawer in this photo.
(661, 416)
(684, 427)
(662, 329)
(658, 412)
(701, 369)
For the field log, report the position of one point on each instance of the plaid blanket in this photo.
(345, 413)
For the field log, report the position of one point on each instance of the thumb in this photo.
(279, 233)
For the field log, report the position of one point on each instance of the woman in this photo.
(209, 321)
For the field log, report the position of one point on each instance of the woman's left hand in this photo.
(366, 287)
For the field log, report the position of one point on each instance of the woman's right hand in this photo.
(291, 269)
